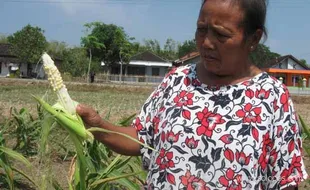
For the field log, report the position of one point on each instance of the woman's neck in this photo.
(213, 79)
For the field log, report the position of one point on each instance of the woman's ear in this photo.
(255, 39)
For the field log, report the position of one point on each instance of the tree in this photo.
(116, 43)
(74, 61)
(304, 63)
(187, 47)
(91, 42)
(261, 55)
(57, 49)
(152, 45)
(3, 38)
(170, 51)
(28, 44)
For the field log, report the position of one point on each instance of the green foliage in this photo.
(303, 62)
(28, 44)
(151, 45)
(97, 167)
(57, 49)
(6, 155)
(75, 62)
(261, 55)
(170, 51)
(3, 39)
(91, 42)
(26, 131)
(306, 134)
(107, 42)
(187, 47)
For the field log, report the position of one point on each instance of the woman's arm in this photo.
(117, 143)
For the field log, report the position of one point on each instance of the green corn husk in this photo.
(69, 122)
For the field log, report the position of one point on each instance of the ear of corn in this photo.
(57, 84)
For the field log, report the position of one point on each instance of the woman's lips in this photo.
(210, 58)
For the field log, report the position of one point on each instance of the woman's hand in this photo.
(90, 117)
(117, 143)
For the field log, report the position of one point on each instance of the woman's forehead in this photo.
(221, 12)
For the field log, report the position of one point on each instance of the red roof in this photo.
(189, 56)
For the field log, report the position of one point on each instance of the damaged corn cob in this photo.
(64, 110)
(57, 84)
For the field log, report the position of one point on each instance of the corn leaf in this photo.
(24, 175)
(111, 166)
(115, 175)
(96, 129)
(8, 174)
(15, 155)
(304, 126)
(126, 122)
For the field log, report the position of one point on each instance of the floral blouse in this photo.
(243, 136)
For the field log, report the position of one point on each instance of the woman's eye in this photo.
(221, 35)
(202, 30)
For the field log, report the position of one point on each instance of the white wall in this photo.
(4, 70)
(291, 64)
(281, 65)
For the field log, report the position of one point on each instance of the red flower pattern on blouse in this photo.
(250, 114)
(172, 137)
(191, 142)
(242, 159)
(183, 99)
(192, 182)
(208, 121)
(284, 99)
(262, 94)
(231, 181)
(267, 146)
(249, 93)
(164, 160)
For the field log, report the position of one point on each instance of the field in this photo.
(116, 100)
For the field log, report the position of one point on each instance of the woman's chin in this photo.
(212, 67)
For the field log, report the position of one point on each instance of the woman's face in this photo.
(220, 38)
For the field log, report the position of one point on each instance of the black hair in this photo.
(254, 15)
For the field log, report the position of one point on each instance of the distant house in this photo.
(191, 58)
(10, 64)
(146, 64)
(287, 68)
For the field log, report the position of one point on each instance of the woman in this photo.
(220, 124)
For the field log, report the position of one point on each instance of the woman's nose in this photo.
(207, 43)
